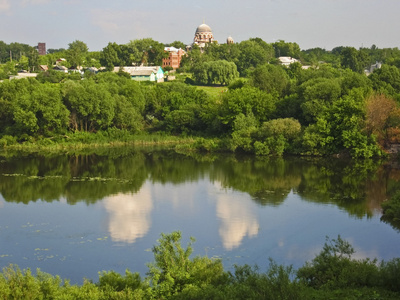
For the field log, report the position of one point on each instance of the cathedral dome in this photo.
(203, 28)
(203, 35)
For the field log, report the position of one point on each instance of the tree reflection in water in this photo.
(357, 187)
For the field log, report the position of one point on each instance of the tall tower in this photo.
(42, 48)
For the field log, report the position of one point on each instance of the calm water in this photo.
(76, 215)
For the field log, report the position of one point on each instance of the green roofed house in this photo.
(143, 73)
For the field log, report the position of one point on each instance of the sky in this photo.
(309, 23)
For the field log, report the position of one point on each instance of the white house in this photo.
(152, 73)
(287, 60)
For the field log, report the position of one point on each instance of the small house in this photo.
(143, 73)
(287, 60)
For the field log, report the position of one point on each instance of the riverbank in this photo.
(84, 140)
(332, 274)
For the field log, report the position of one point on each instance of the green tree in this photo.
(244, 101)
(146, 51)
(354, 59)
(334, 268)
(115, 55)
(193, 58)
(253, 53)
(341, 127)
(76, 53)
(270, 78)
(91, 105)
(276, 136)
(40, 110)
(178, 44)
(317, 96)
(23, 63)
(214, 72)
(244, 127)
(386, 80)
(173, 271)
(283, 48)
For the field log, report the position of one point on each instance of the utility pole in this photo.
(10, 55)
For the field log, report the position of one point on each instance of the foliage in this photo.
(334, 102)
(341, 127)
(146, 51)
(244, 127)
(382, 116)
(253, 53)
(283, 48)
(90, 104)
(173, 271)
(334, 268)
(245, 101)
(76, 53)
(215, 72)
(115, 55)
(386, 80)
(270, 78)
(391, 211)
(354, 59)
(276, 136)
(332, 274)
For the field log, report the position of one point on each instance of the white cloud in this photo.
(34, 2)
(4, 6)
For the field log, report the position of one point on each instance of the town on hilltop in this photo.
(149, 60)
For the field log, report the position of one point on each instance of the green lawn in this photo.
(215, 91)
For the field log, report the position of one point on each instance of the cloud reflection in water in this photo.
(237, 220)
(129, 215)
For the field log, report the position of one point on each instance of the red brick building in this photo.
(174, 58)
(41, 48)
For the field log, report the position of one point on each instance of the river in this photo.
(76, 215)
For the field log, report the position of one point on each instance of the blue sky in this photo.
(310, 23)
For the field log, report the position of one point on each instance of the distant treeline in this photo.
(246, 55)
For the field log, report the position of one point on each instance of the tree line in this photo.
(277, 110)
(266, 108)
(246, 55)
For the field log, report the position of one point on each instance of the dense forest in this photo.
(261, 107)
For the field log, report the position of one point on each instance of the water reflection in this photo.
(358, 188)
(241, 209)
(237, 220)
(129, 215)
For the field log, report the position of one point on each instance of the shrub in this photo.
(173, 270)
(333, 268)
(390, 274)
(7, 140)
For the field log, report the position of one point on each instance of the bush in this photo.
(116, 282)
(173, 270)
(333, 268)
(390, 274)
(332, 274)
(7, 140)
(261, 148)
